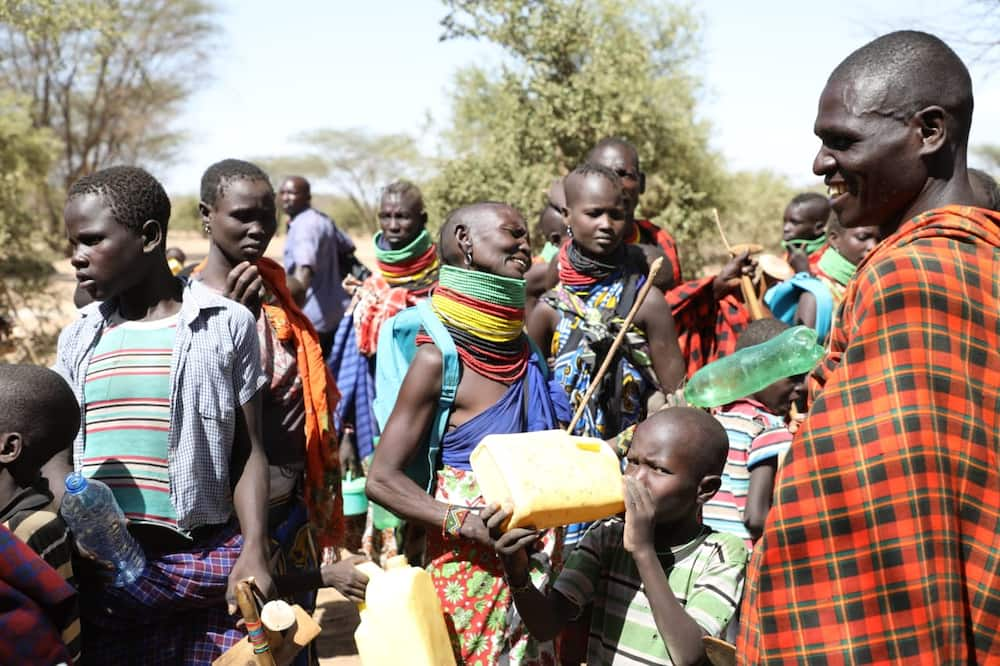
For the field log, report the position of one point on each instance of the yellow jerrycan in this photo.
(549, 478)
(401, 619)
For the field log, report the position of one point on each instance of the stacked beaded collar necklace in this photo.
(576, 270)
(484, 313)
(414, 267)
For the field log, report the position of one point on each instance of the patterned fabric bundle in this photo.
(414, 267)
(484, 313)
(882, 544)
(706, 328)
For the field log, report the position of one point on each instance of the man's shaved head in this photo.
(613, 143)
(901, 73)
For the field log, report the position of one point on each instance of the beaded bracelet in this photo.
(454, 518)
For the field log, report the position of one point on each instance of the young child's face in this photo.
(801, 222)
(778, 397)
(106, 254)
(854, 244)
(669, 468)
(597, 215)
(243, 220)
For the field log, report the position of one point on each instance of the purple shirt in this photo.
(315, 241)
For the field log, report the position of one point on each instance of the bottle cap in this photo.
(76, 483)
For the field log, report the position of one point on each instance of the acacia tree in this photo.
(105, 76)
(356, 162)
(574, 71)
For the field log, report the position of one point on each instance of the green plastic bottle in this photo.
(753, 368)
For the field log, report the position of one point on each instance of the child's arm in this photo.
(250, 498)
(544, 615)
(680, 633)
(759, 496)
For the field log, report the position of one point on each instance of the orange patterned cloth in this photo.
(883, 544)
(323, 497)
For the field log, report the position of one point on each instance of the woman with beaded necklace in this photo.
(599, 278)
(407, 261)
(502, 389)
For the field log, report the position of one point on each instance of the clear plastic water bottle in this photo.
(98, 524)
(751, 369)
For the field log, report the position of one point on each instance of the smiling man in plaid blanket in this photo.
(883, 544)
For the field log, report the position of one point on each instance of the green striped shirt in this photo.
(706, 576)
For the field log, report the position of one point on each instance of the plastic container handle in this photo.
(589, 446)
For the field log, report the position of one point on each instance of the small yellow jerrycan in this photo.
(549, 478)
(401, 619)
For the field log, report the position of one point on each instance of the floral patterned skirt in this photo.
(482, 621)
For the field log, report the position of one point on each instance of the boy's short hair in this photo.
(814, 198)
(39, 404)
(132, 194)
(760, 331)
(217, 176)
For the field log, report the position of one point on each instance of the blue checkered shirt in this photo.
(214, 369)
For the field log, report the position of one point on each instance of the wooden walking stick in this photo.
(653, 270)
(746, 284)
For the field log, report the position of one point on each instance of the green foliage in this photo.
(25, 156)
(991, 154)
(106, 76)
(573, 72)
(753, 206)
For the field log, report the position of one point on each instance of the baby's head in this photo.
(678, 454)
(39, 417)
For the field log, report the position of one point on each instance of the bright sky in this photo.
(283, 68)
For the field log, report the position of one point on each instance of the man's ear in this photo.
(423, 218)
(152, 235)
(933, 126)
(709, 485)
(642, 182)
(11, 446)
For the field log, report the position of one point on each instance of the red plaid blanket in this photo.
(884, 541)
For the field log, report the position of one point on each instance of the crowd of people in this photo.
(848, 516)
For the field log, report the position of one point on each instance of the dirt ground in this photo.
(338, 618)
